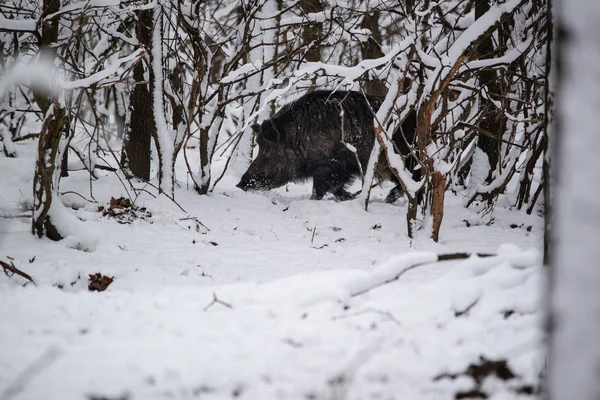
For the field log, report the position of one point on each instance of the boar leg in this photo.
(397, 191)
(394, 194)
(331, 177)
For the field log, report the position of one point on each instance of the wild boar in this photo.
(308, 138)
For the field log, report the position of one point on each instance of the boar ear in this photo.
(255, 128)
(270, 133)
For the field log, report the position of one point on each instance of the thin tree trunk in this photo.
(312, 33)
(46, 169)
(371, 49)
(494, 120)
(438, 182)
(140, 127)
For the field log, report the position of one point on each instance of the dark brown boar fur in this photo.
(307, 139)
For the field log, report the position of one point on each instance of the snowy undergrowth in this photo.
(289, 320)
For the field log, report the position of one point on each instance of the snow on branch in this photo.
(480, 28)
(316, 17)
(99, 76)
(510, 57)
(397, 266)
(88, 4)
(242, 71)
(351, 74)
(18, 25)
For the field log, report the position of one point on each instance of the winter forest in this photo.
(309, 199)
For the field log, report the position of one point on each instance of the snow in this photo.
(315, 299)
(351, 74)
(317, 17)
(19, 25)
(239, 73)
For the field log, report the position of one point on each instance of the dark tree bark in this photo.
(493, 120)
(45, 169)
(313, 31)
(47, 51)
(140, 127)
(371, 49)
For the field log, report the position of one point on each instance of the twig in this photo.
(491, 135)
(105, 168)
(14, 270)
(465, 310)
(196, 220)
(77, 194)
(462, 256)
(440, 257)
(385, 314)
(217, 301)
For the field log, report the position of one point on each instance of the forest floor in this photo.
(264, 296)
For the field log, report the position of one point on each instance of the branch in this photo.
(418, 260)
(14, 270)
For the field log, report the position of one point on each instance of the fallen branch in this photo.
(375, 283)
(14, 270)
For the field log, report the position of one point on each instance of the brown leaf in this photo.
(99, 282)
(121, 202)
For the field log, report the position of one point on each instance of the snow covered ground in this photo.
(265, 297)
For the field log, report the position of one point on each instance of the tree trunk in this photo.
(493, 120)
(47, 167)
(371, 49)
(311, 34)
(574, 371)
(438, 183)
(47, 51)
(46, 170)
(549, 147)
(205, 177)
(140, 127)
